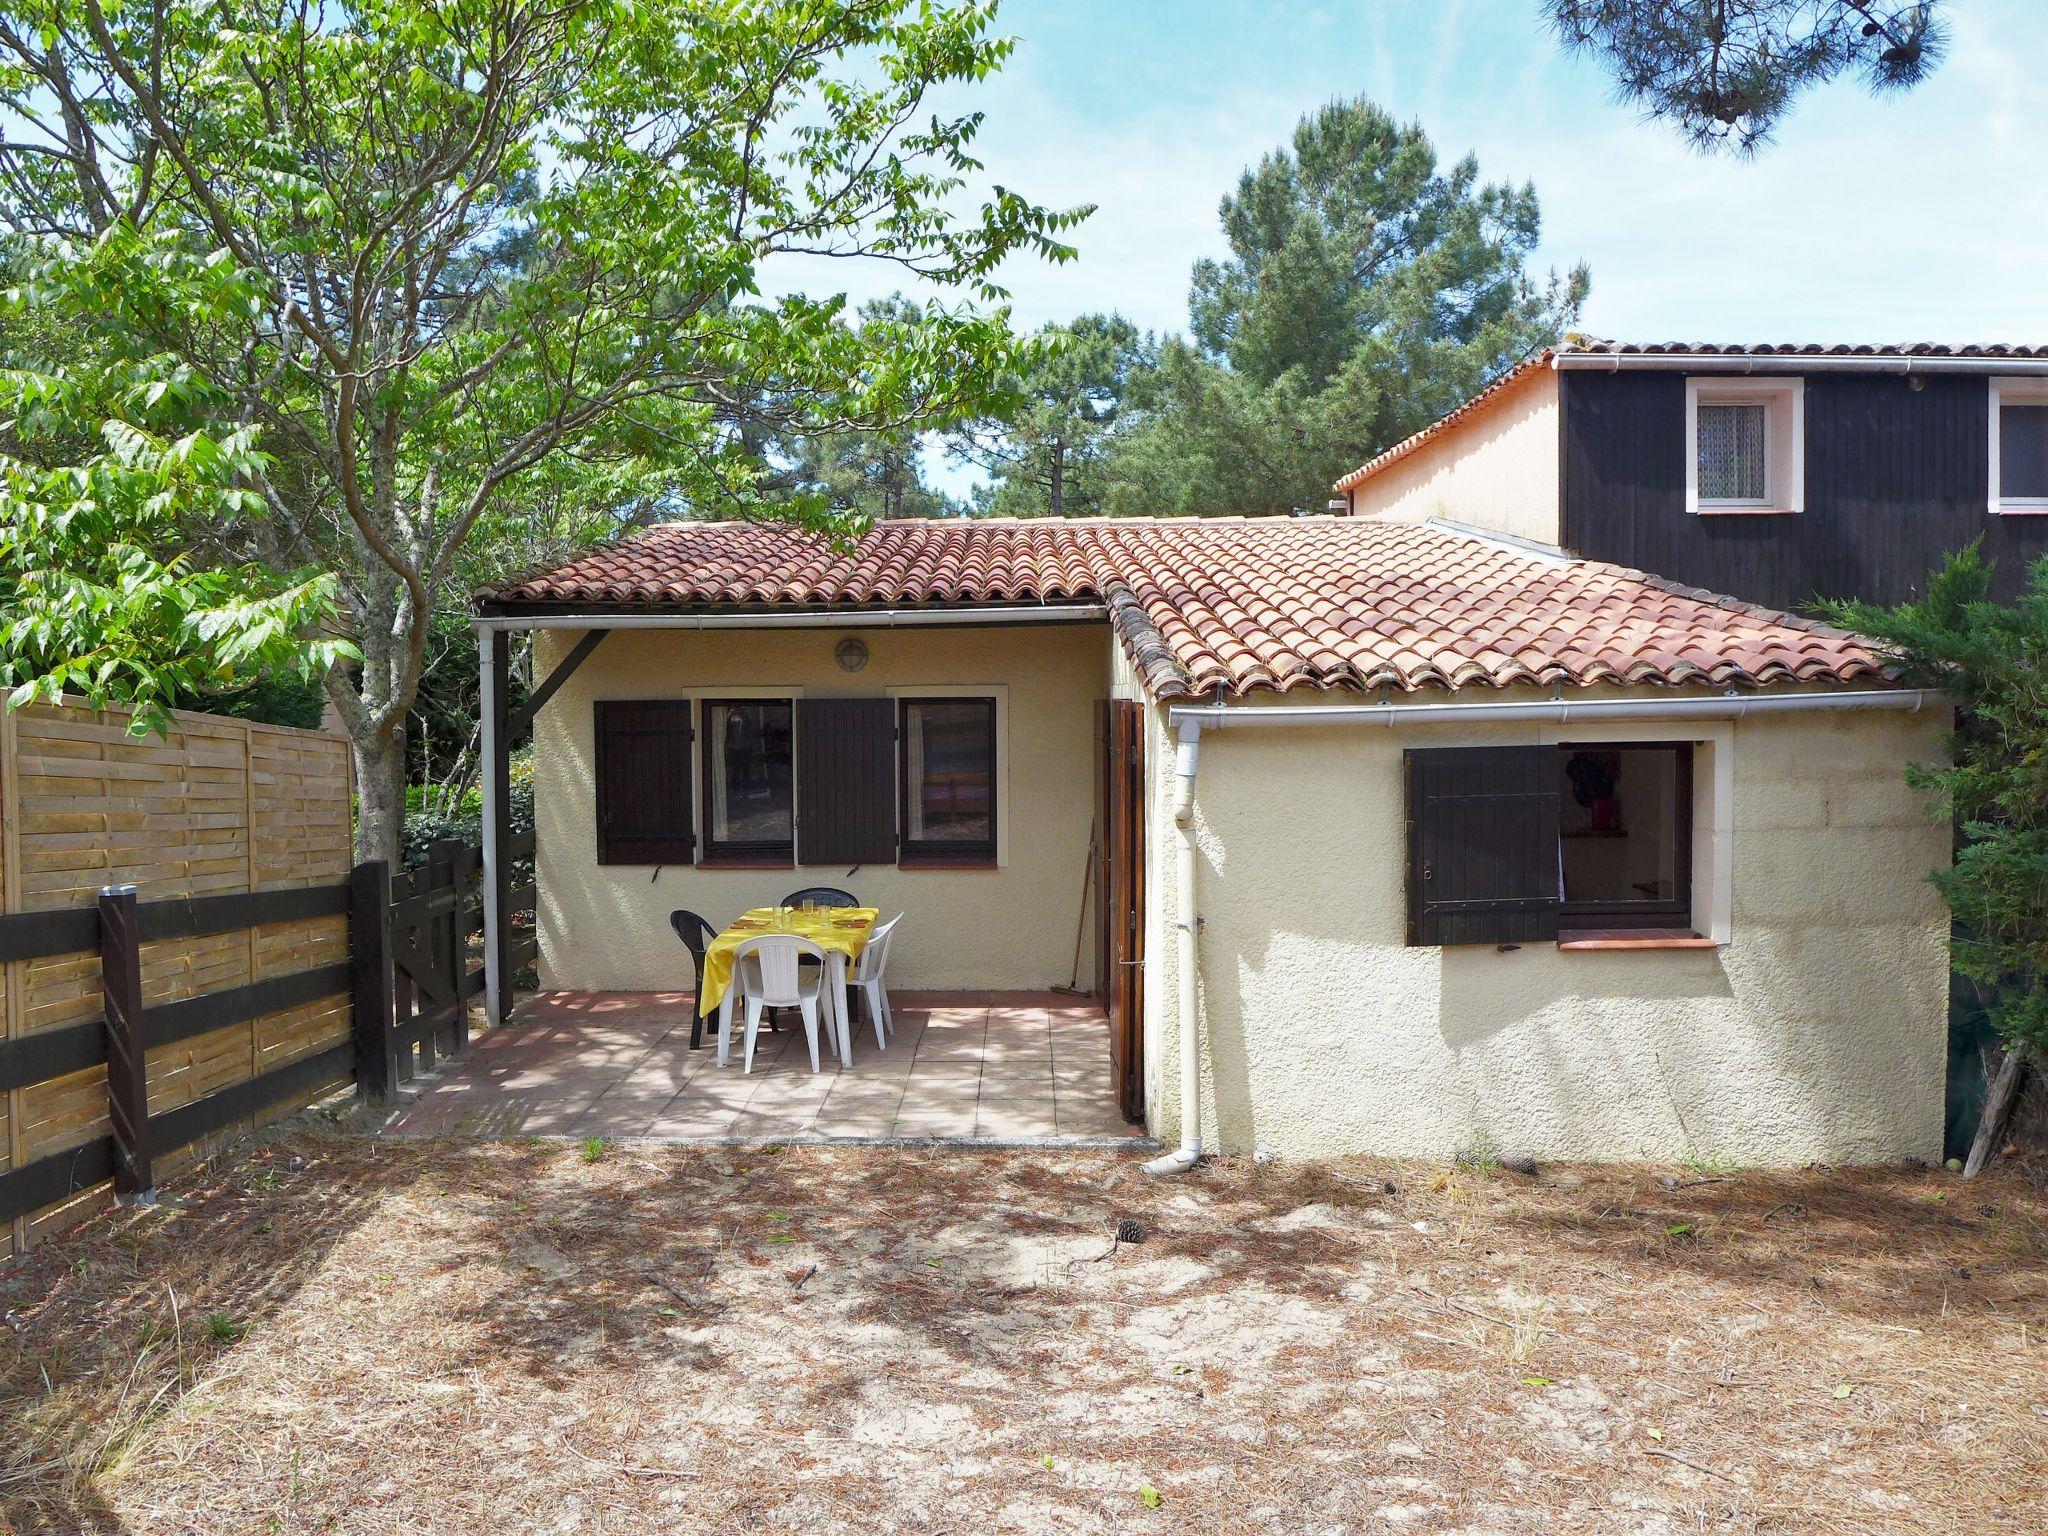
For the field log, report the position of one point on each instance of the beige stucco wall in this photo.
(1008, 928)
(1498, 469)
(1816, 1032)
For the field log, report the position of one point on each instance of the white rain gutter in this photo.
(1190, 720)
(801, 618)
(1792, 362)
(1725, 706)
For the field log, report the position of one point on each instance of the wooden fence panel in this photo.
(217, 805)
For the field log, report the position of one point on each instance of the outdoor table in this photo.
(842, 932)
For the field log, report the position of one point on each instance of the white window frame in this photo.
(1000, 692)
(2020, 392)
(1784, 402)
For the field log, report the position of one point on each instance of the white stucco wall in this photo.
(606, 926)
(1498, 469)
(1816, 1032)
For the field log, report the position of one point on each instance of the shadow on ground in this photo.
(332, 1333)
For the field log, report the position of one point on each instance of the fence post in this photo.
(127, 1044)
(369, 955)
(443, 875)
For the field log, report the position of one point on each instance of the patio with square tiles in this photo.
(964, 1066)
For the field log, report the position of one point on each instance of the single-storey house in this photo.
(1390, 838)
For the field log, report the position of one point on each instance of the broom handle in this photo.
(1081, 922)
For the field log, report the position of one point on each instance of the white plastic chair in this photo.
(766, 971)
(867, 978)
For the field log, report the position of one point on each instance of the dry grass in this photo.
(337, 1335)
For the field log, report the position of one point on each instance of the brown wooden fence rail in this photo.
(414, 965)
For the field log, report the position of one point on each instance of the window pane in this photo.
(2023, 451)
(1622, 821)
(750, 778)
(1731, 449)
(949, 757)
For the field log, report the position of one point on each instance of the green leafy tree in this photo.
(1992, 659)
(1044, 452)
(1367, 291)
(1725, 71)
(101, 595)
(416, 258)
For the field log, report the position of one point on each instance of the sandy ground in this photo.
(338, 1335)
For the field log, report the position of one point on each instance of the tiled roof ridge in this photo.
(1578, 344)
(1247, 604)
(1526, 369)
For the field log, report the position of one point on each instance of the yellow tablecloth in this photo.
(844, 929)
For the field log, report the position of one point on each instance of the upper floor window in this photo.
(1745, 444)
(2019, 445)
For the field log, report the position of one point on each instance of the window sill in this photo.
(945, 861)
(1633, 938)
(1745, 510)
(2021, 509)
(737, 861)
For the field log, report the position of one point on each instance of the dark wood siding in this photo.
(1895, 479)
(1482, 845)
(643, 782)
(846, 781)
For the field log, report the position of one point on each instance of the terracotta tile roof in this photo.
(1878, 354)
(1243, 604)
(1990, 352)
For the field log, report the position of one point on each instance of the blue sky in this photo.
(1917, 217)
(1924, 216)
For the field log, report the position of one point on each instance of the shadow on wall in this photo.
(1537, 1063)
(1482, 991)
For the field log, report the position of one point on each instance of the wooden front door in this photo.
(1120, 897)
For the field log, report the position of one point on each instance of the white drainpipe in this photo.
(1185, 759)
(1190, 720)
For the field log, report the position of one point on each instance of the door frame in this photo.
(1120, 894)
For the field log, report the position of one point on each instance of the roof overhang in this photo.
(1790, 362)
(599, 616)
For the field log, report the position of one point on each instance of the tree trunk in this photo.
(1999, 1097)
(1059, 477)
(380, 798)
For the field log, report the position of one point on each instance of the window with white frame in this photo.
(1745, 445)
(2019, 445)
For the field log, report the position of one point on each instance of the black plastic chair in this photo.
(823, 895)
(696, 934)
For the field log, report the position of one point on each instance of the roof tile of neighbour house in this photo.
(1528, 368)
(1243, 604)
(1878, 353)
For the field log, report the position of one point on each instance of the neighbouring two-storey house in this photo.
(1776, 474)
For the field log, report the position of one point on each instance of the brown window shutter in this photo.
(643, 782)
(846, 781)
(1482, 845)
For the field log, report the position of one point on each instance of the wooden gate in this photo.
(1120, 904)
(433, 917)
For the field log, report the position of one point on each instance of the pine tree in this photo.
(1992, 659)
(1368, 290)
